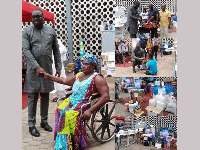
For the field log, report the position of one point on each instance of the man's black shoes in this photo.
(46, 127)
(34, 132)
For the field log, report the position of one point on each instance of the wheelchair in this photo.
(102, 122)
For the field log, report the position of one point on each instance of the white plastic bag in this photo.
(135, 104)
(167, 97)
(161, 105)
(152, 102)
(160, 98)
(171, 107)
(131, 108)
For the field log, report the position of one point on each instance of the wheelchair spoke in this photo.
(111, 111)
(101, 112)
(112, 124)
(100, 127)
(108, 130)
(112, 118)
(106, 113)
(99, 120)
(102, 133)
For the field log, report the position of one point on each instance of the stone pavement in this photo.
(165, 66)
(45, 141)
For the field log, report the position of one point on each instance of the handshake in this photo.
(42, 73)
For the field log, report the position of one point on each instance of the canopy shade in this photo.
(28, 8)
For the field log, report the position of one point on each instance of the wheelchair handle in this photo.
(58, 101)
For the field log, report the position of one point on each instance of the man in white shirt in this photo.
(123, 50)
(144, 15)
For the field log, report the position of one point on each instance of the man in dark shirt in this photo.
(138, 56)
(132, 19)
(153, 16)
(38, 43)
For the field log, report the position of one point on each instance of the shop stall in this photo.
(155, 133)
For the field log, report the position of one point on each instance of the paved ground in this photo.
(45, 141)
(165, 66)
(121, 109)
(135, 147)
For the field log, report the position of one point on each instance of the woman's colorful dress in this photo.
(69, 130)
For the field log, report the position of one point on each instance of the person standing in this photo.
(153, 17)
(132, 19)
(38, 43)
(123, 50)
(165, 19)
(155, 44)
(58, 86)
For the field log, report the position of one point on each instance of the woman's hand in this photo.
(43, 75)
(87, 114)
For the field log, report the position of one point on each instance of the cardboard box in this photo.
(158, 111)
(153, 148)
(103, 72)
(155, 110)
(138, 110)
(70, 67)
(110, 80)
(139, 114)
(103, 56)
(149, 108)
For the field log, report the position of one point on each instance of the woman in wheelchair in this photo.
(70, 131)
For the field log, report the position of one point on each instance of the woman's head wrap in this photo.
(91, 59)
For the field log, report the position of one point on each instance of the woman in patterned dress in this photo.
(69, 130)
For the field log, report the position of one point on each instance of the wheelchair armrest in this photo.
(83, 106)
(67, 93)
(94, 96)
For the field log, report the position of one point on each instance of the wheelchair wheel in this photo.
(103, 123)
